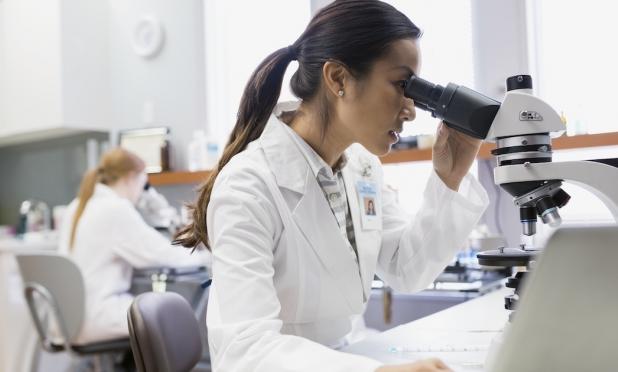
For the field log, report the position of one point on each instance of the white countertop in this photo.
(31, 241)
(460, 335)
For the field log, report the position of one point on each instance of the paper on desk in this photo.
(461, 351)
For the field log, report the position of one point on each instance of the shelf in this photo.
(177, 178)
(402, 156)
(561, 143)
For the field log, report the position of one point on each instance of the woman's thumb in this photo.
(441, 136)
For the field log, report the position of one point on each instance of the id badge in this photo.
(368, 202)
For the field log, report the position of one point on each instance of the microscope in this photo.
(157, 212)
(522, 127)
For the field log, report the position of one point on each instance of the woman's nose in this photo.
(408, 112)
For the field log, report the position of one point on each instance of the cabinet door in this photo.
(30, 74)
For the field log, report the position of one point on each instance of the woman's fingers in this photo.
(442, 134)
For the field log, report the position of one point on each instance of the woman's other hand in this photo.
(426, 365)
(453, 154)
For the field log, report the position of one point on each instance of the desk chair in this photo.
(54, 290)
(164, 333)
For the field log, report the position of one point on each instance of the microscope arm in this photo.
(601, 179)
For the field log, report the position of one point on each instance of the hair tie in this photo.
(292, 53)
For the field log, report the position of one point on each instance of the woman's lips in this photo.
(394, 135)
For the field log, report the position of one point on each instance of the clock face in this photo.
(147, 37)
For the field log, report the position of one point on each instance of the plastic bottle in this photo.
(196, 151)
(203, 153)
(212, 153)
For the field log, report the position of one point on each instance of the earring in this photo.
(340, 93)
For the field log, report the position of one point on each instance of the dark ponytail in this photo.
(258, 101)
(353, 32)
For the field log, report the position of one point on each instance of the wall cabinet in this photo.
(53, 69)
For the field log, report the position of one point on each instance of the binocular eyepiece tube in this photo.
(461, 108)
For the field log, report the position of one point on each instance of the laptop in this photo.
(567, 319)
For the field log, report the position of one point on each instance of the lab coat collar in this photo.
(283, 150)
(102, 190)
(290, 168)
(316, 163)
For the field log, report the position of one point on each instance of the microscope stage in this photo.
(507, 257)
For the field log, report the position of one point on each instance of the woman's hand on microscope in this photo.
(453, 154)
(425, 365)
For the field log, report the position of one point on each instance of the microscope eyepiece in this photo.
(424, 94)
(459, 107)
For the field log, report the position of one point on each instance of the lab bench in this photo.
(452, 287)
(461, 335)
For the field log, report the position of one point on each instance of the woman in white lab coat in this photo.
(294, 250)
(107, 238)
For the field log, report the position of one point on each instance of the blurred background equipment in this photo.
(156, 210)
(151, 144)
(34, 215)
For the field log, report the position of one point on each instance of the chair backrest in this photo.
(164, 333)
(59, 282)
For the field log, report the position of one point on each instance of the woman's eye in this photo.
(402, 84)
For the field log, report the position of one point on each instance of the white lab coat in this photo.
(286, 287)
(111, 239)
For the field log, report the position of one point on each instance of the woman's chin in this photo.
(380, 149)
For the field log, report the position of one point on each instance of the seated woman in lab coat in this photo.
(107, 238)
(294, 248)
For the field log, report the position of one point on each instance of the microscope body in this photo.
(593, 175)
(522, 130)
(522, 126)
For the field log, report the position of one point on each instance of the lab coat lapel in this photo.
(367, 242)
(319, 226)
(312, 215)
(284, 159)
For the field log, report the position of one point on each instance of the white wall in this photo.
(2, 78)
(500, 44)
(84, 63)
(30, 64)
(316, 5)
(500, 40)
(70, 64)
(234, 53)
(54, 76)
(166, 90)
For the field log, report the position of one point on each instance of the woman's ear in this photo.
(335, 77)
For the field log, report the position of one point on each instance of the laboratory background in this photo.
(163, 79)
